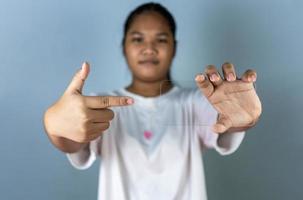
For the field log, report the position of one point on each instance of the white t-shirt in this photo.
(153, 148)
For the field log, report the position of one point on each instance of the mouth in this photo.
(149, 62)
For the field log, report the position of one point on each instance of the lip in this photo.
(149, 62)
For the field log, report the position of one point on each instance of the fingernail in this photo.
(129, 101)
(200, 78)
(230, 77)
(214, 77)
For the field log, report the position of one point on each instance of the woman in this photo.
(143, 157)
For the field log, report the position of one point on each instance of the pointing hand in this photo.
(81, 118)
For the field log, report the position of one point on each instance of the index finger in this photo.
(96, 102)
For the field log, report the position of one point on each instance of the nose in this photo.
(150, 49)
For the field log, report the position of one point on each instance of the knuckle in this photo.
(84, 128)
(105, 101)
(227, 63)
(87, 123)
(251, 72)
(111, 115)
(205, 84)
(95, 136)
(80, 103)
(228, 67)
(121, 100)
(210, 68)
(105, 126)
(84, 118)
(84, 138)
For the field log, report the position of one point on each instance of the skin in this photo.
(236, 101)
(149, 50)
(75, 120)
(149, 38)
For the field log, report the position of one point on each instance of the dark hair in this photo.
(151, 7)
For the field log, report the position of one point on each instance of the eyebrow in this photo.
(162, 34)
(135, 33)
(158, 34)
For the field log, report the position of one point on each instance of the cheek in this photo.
(130, 55)
(167, 55)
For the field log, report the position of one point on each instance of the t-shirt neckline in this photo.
(139, 97)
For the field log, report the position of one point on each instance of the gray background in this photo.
(42, 44)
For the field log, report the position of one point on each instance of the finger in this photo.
(97, 130)
(99, 127)
(78, 80)
(96, 102)
(229, 72)
(222, 125)
(101, 115)
(249, 76)
(205, 85)
(213, 75)
(94, 136)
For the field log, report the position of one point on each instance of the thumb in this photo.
(223, 124)
(79, 78)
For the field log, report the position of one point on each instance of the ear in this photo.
(123, 51)
(175, 48)
(123, 47)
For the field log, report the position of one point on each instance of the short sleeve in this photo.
(206, 116)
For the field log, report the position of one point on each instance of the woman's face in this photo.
(149, 47)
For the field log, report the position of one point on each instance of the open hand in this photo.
(236, 100)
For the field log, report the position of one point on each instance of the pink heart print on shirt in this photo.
(148, 135)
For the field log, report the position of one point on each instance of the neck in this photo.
(148, 89)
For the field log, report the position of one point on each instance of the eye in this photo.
(137, 39)
(162, 40)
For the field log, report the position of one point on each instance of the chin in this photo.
(152, 79)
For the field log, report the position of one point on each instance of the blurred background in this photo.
(43, 43)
